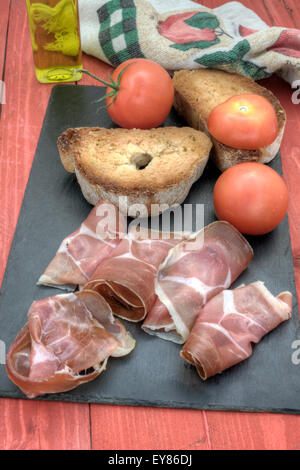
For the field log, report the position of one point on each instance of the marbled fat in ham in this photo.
(80, 253)
(66, 342)
(228, 325)
(127, 278)
(192, 274)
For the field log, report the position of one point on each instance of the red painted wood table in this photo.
(46, 425)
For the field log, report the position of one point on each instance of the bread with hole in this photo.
(198, 92)
(153, 168)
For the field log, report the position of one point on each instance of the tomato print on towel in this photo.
(191, 30)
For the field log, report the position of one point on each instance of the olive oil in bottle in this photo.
(55, 38)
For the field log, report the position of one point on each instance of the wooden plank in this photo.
(34, 425)
(26, 424)
(246, 431)
(125, 427)
(4, 23)
(292, 7)
(256, 5)
(280, 14)
(4, 16)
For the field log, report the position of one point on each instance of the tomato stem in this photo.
(112, 84)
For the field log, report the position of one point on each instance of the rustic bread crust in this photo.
(197, 92)
(149, 167)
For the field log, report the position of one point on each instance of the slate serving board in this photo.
(154, 374)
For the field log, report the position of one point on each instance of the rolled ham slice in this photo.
(192, 274)
(80, 253)
(126, 280)
(66, 342)
(228, 325)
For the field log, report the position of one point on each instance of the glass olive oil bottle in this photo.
(55, 38)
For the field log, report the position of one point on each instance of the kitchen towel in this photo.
(182, 34)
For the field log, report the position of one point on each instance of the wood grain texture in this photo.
(246, 431)
(292, 7)
(4, 16)
(49, 425)
(127, 427)
(33, 425)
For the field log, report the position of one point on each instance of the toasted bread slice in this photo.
(198, 92)
(150, 167)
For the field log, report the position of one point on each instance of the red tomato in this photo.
(244, 122)
(252, 197)
(145, 97)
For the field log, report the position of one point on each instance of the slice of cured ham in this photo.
(192, 274)
(80, 253)
(66, 342)
(126, 280)
(228, 325)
